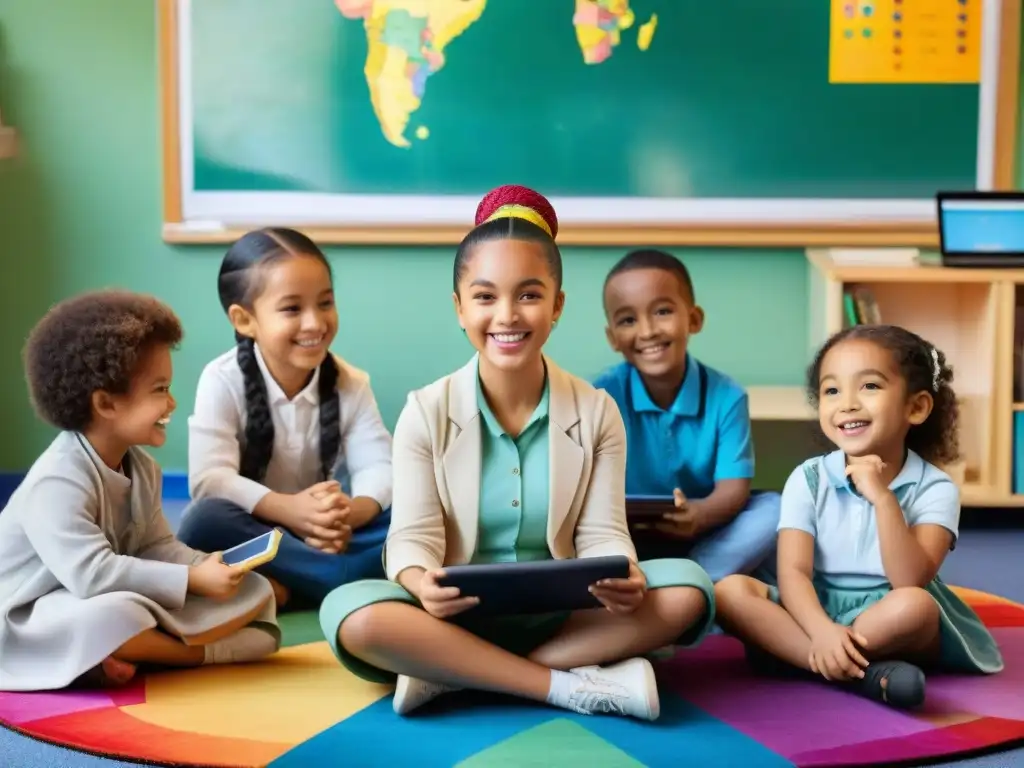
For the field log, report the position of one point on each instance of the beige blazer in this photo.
(436, 459)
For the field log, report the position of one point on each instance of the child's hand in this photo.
(866, 474)
(835, 654)
(685, 522)
(214, 579)
(441, 602)
(330, 493)
(622, 595)
(319, 516)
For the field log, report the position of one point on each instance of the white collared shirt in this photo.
(217, 432)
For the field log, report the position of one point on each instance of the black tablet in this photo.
(541, 586)
(653, 508)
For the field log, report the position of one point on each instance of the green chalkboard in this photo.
(731, 101)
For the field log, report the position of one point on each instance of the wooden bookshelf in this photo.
(968, 314)
(780, 404)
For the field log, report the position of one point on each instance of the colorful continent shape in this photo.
(406, 42)
(599, 24)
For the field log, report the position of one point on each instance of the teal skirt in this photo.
(517, 634)
(965, 644)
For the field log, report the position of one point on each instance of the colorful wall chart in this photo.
(905, 41)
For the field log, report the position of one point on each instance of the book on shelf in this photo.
(860, 307)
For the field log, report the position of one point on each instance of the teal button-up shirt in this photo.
(514, 475)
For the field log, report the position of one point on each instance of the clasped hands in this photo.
(621, 596)
(320, 517)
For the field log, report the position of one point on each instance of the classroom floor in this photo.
(983, 559)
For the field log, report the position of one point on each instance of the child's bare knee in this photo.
(680, 605)
(739, 586)
(913, 605)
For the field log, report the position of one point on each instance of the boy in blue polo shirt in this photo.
(687, 425)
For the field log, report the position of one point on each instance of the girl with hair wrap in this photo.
(511, 459)
(286, 434)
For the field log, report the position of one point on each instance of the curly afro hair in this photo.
(92, 342)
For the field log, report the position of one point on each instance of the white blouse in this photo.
(217, 433)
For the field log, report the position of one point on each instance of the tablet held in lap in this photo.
(544, 586)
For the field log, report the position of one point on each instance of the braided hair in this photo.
(240, 282)
(512, 212)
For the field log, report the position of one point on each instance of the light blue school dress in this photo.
(511, 468)
(848, 575)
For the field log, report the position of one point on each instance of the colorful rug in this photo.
(301, 708)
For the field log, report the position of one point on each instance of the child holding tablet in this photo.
(92, 581)
(278, 417)
(512, 459)
(687, 426)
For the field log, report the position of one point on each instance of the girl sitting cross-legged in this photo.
(864, 531)
(510, 459)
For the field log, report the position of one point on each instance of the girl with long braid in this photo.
(285, 434)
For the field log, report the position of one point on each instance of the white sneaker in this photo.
(411, 692)
(626, 688)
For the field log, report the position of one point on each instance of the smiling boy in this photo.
(687, 425)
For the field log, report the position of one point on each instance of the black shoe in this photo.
(763, 663)
(904, 684)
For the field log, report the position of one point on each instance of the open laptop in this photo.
(981, 229)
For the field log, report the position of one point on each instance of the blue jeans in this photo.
(746, 544)
(213, 525)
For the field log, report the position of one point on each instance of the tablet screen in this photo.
(248, 550)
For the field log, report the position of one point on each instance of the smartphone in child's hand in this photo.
(255, 552)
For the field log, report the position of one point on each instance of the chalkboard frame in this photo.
(909, 223)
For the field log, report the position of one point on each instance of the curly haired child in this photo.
(865, 529)
(92, 580)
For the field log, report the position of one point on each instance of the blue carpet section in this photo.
(458, 727)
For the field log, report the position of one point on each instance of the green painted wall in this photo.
(80, 209)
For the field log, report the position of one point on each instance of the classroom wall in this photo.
(80, 209)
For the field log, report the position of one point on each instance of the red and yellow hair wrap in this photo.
(514, 201)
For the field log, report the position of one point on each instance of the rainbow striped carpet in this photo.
(301, 708)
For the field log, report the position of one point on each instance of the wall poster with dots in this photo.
(905, 41)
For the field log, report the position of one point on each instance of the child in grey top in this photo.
(92, 580)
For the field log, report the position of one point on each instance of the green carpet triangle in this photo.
(570, 741)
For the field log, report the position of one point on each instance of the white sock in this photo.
(247, 644)
(562, 685)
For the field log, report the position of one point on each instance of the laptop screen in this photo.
(982, 225)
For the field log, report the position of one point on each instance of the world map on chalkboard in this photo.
(334, 109)
(407, 39)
